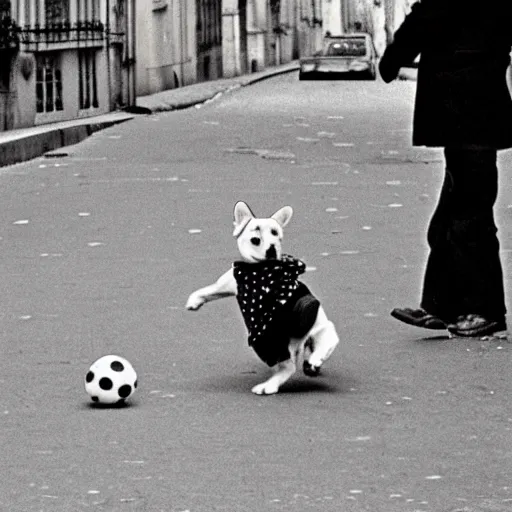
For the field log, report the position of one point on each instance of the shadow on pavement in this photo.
(119, 405)
(242, 383)
(308, 386)
(430, 339)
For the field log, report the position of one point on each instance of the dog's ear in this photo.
(283, 216)
(243, 215)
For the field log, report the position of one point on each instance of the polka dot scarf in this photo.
(264, 289)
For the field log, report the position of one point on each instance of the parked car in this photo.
(345, 56)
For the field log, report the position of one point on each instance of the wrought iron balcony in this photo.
(63, 32)
(9, 34)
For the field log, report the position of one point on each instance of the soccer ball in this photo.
(110, 380)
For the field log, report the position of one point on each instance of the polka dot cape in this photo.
(267, 293)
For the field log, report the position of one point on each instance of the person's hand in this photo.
(388, 68)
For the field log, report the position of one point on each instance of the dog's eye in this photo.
(255, 241)
(274, 232)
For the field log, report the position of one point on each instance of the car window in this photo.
(347, 48)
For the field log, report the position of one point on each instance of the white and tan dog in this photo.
(282, 316)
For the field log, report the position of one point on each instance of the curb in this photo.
(272, 73)
(30, 147)
(169, 105)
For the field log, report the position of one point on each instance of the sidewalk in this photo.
(28, 143)
(191, 95)
(25, 144)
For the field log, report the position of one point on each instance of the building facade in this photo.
(66, 59)
(278, 31)
(9, 48)
(69, 59)
(380, 18)
(165, 48)
(209, 39)
(186, 41)
(331, 15)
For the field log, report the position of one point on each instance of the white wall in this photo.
(165, 54)
(331, 15)
(230, 38)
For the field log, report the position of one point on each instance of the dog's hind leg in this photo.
(282, 372)
(324, 340)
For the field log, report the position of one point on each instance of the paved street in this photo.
(101, 248)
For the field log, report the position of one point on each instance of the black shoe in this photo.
(418, 318)
(474, 326)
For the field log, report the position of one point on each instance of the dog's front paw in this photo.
(266, 388)
(194, 302)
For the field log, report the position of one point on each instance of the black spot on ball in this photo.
(94, 398)
(105, 383)
(125, 391)
(117, 366)
(89, 377)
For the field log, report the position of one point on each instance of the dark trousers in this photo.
(463, 274)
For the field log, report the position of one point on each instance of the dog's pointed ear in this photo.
(283, 215)
(243, 215)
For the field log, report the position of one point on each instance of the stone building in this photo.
(64, 59)
(380, 18)
(186, 41)
(165, 45)
(69, 59)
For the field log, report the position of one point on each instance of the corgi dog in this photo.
(285, 321)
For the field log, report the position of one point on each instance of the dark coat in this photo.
(462, 98)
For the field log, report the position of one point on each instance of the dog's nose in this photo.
(271, 253)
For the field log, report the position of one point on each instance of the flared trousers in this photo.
(463, 273)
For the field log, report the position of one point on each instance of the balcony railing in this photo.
(9, 34)
(63, 32)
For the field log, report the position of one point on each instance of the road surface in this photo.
(101, 248)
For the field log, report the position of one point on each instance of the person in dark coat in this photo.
(463, 105)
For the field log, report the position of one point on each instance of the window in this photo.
(95, 10)
(348, 48)
(88, 10)
(56, 11)
(28, 12)
(5, 9)
(87, 85)
(209, 23)
(48, 83)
